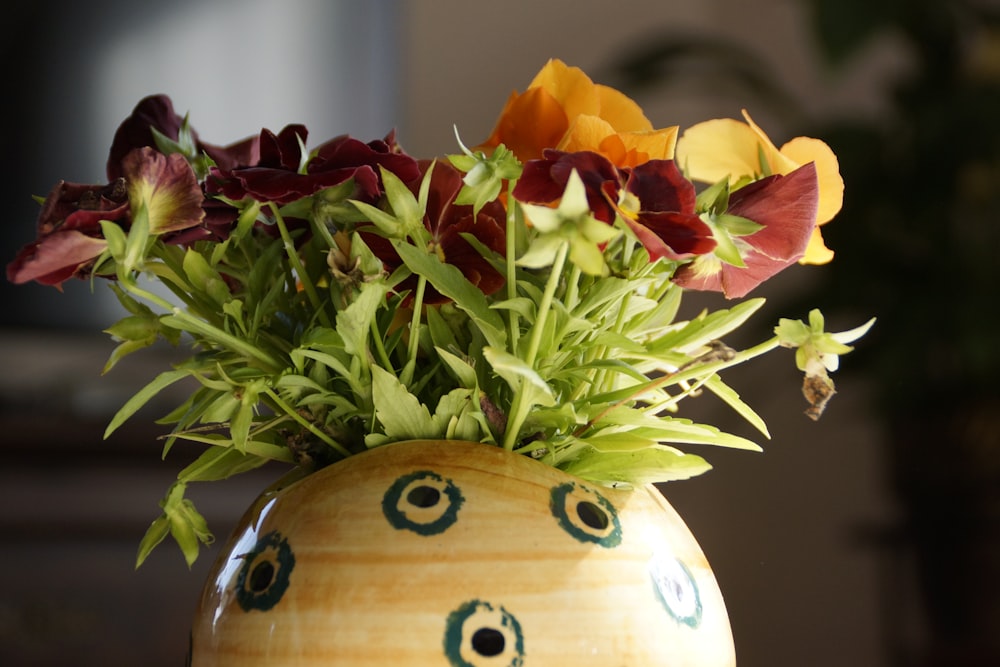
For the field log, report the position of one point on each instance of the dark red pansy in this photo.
(785, 206)
(543, 181)
(69, 233)
(666, 223)
(447, 222)
(157, 112)
(277, 177)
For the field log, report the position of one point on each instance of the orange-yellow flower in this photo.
(563, 109)
(716, 149)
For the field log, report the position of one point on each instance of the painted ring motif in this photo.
(479, 633)
(422, 502)
(586, 515)
(265, 573)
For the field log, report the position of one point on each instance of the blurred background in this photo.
(870, 538)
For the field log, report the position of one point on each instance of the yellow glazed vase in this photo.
(445, 554)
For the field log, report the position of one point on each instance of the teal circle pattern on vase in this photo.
(265, 573)
(423, 502)
(479, 633)
(586, 515)
(676, 589)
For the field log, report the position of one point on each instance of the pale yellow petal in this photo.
(831, 185)
(715, 149)
(777, 163)
(816, 251)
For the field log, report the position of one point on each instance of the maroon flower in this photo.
(785, 206)
(543, 181)
(447, 222)
(157, 112)
(666, 223)
(69, 232)
(277, 177)
(664, 219)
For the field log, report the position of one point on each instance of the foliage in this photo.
(523, 293)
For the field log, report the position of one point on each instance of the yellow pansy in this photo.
(721, 148)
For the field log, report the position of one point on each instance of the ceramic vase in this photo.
(442, 553)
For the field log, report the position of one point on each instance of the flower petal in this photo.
(167, 185)
(529, 123)
(786, 207)
(802, 150)
(718, 149)
(55, 258)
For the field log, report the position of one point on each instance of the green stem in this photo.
(192, 324)
(519, 409)
(299, 268)
(689, 371)
(545, 306)
(414, 346)
(513, 322)
(383, 356)
(312, 428)
(573, 288)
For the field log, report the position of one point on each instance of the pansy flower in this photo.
(729, 149)
(659, 208)
(156, 113)
(447, 222)
(279, 177)
(543, 181)
(782, 210)
(69, 230)
(564, 109)
(653, 199)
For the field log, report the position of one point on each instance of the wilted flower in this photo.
(69, 232)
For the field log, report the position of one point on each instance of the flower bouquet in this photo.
(522, 293)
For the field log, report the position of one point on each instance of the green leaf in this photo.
(455, 416)
(449, 281)
(138, 235)
(204, 278)
(461, 369)
(219, 463)
(116, 238)
(738, 226)
(520, 376)
(635, 468)
(156, 533)
(354, 322)
(666, 429)
(184, 523)
(401, 414)
(733, 400)
(143, 396)
(704, 329)
(715, 198)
